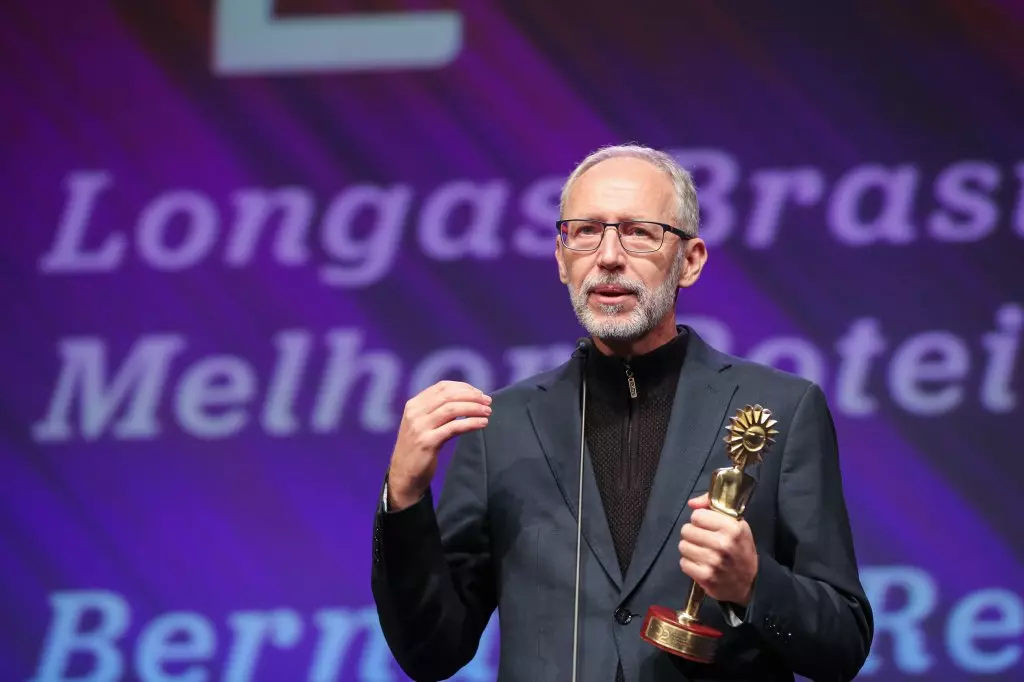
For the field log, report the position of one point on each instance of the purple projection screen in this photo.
(240, 234)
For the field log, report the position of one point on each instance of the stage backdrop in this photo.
(239, 234)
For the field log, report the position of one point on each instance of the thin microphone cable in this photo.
(579, 518)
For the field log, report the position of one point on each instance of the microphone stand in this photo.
(582, 350)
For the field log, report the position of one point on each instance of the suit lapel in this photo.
(695, 427)
(555, 413)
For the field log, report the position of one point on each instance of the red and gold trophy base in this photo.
(674, 632)
(679, 632)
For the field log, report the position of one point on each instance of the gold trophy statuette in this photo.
(680, 632)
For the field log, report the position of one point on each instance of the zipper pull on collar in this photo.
(630, 380)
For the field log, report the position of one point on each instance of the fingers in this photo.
(700, 573)
(712, 520)
(443, 392)
(702, 502)
(708, 546)
(429, 417)
(701, 546)
(450, 419)
(702, 537)
(717, 551)
(703, 556)
(440, 404)
(446, 412)
(460, 426)
(432, 417)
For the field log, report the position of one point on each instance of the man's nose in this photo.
(610, 254)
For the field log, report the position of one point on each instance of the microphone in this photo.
(583, 347)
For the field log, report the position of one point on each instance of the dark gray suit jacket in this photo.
(504, 536)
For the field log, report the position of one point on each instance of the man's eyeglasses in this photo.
(635, 236)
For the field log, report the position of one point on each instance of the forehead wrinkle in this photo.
(603, 193)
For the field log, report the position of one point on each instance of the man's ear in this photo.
(563, 274)
(695, 255)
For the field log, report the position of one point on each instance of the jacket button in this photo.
(623, 616)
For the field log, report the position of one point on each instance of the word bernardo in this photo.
(352, 238)
(313, 381)
(96, 626)
(916, 632)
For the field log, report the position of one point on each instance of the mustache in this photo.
(631, 285)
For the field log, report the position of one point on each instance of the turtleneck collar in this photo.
(651, 371)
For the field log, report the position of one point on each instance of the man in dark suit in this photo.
(782, 583)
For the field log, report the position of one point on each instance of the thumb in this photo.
(701, 502)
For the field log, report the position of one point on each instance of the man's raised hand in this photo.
(430, 419)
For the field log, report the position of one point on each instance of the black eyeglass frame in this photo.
(667, 228)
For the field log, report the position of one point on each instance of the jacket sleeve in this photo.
(432, 578)
(808, 604)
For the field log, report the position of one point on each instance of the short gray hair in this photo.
(687, 211)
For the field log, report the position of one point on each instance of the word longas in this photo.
(360, 228)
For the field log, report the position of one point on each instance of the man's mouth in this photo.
(610, 293)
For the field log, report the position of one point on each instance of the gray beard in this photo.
(651, 306)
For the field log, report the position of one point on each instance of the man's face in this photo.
(618, 295)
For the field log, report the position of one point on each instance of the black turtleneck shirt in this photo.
(628, 408)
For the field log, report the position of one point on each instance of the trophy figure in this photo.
(680, 632)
